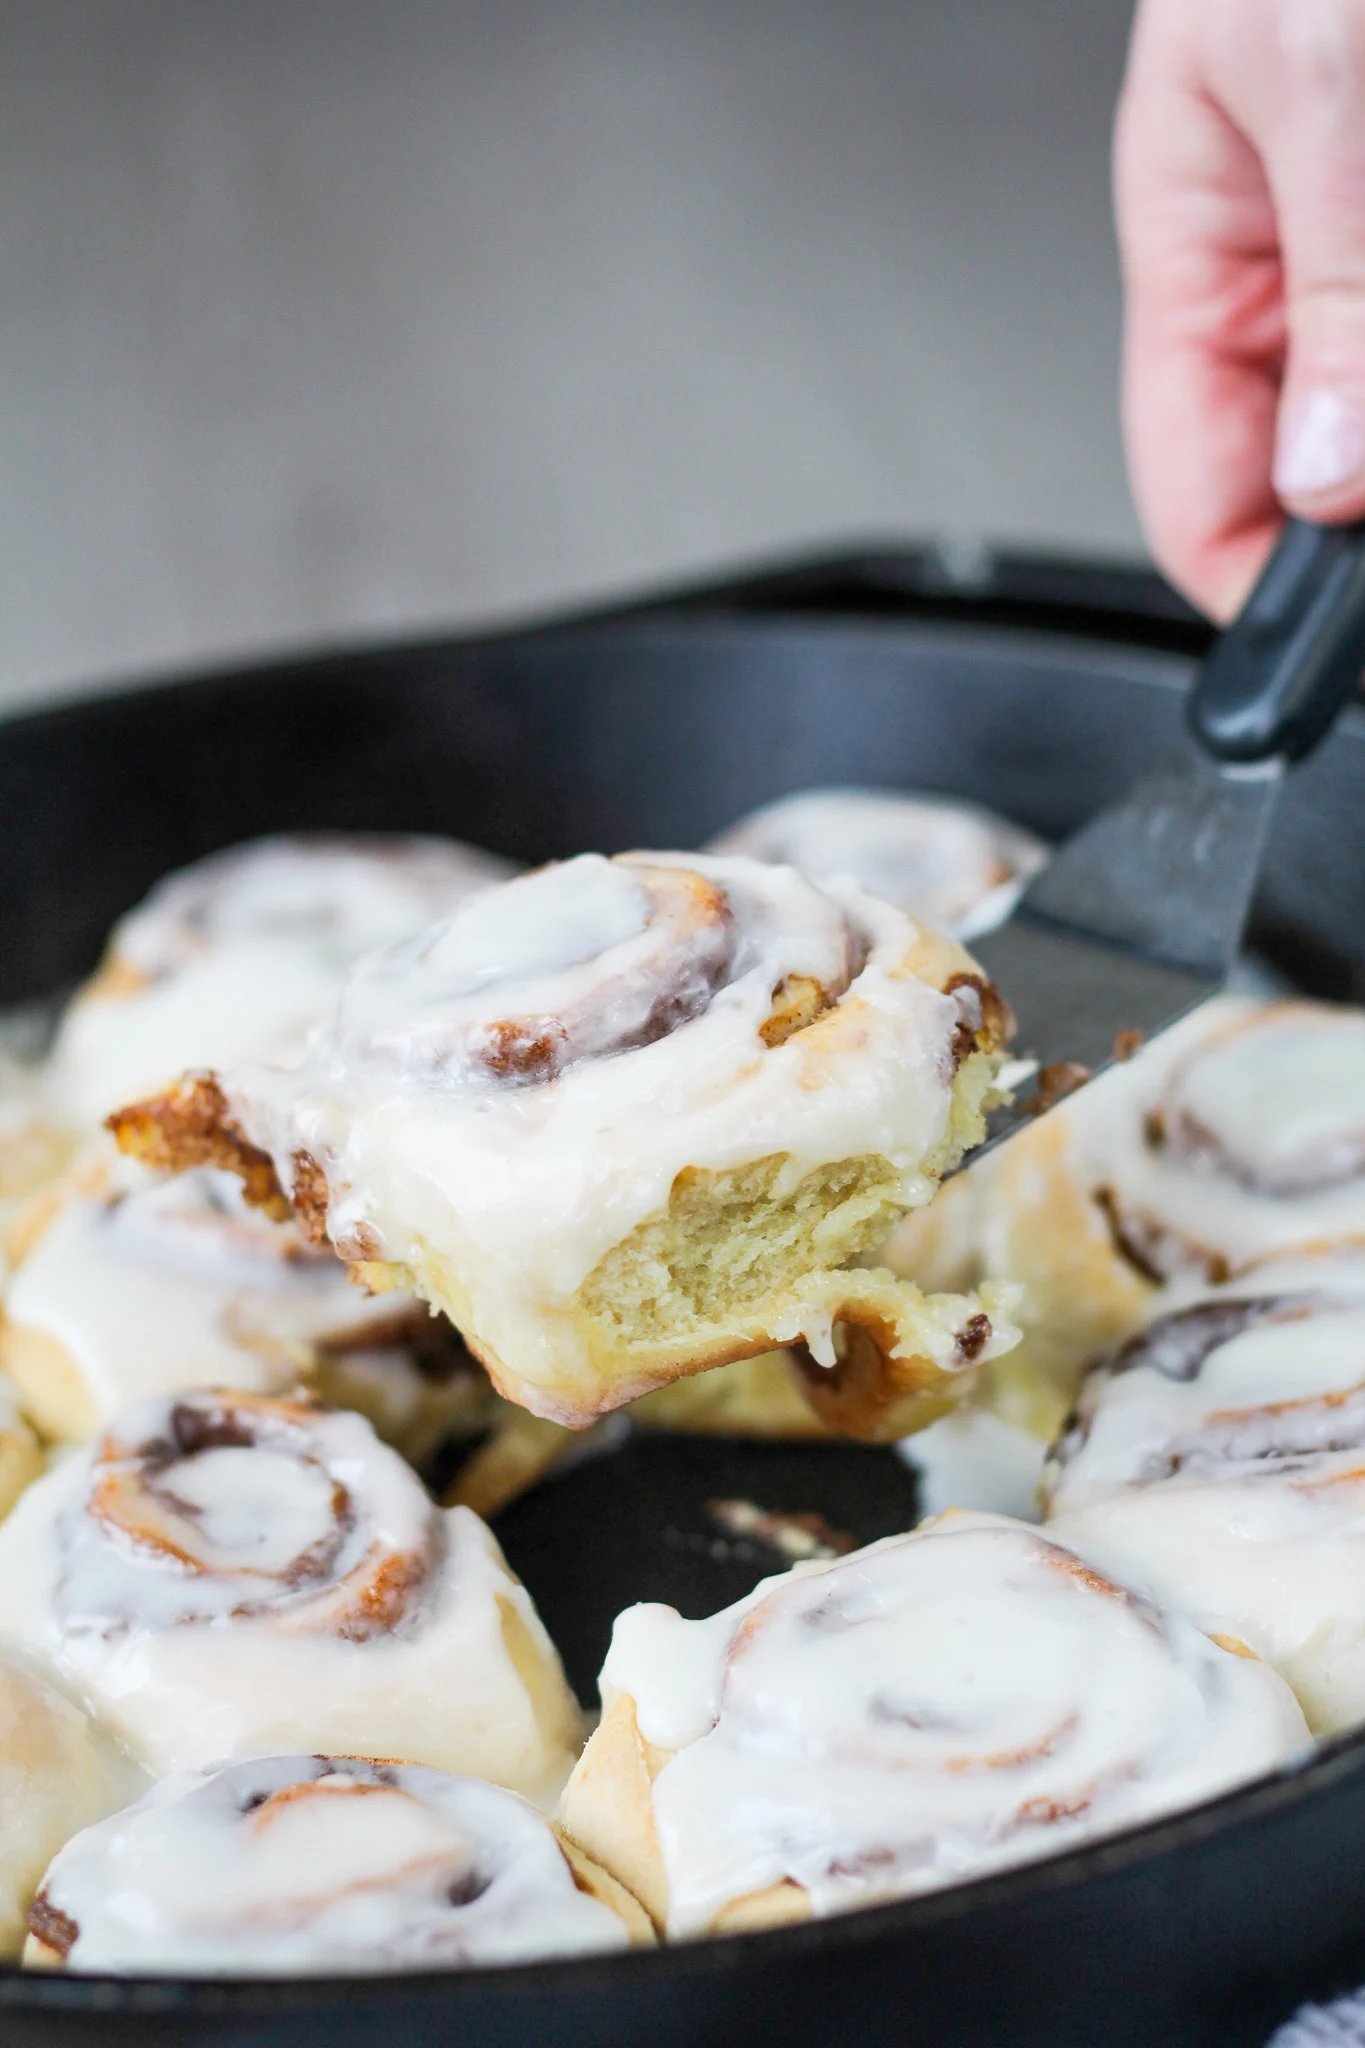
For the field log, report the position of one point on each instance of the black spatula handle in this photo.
(1294, 655)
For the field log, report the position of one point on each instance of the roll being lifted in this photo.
(624, 1120)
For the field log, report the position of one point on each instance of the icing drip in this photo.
(959, 868)
(306, 1863)
(936, 1706)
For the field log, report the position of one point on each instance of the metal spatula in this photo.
(1140, 916)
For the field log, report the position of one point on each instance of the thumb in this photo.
(1318, 180)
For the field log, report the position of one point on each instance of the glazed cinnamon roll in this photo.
(127, 1286)
(58, 1773)
(624, 1120)
(930, 1708)
(224, 1574)
(1219, 1461)
(323, 1865)
(1237, 1134)
(239, 955)
(955, 865)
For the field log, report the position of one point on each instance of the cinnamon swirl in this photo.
(127, 1286)
(237, 956)
(958, 867)
(627, 1119)
(933, 1707)
(323, 1865)
(224, 1574)
(1219, 1462)
(58, 1773)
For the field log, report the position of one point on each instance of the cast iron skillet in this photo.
(1041, 687)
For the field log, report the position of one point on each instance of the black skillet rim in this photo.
(1039, 596)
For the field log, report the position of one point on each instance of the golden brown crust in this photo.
(599, 1884)
(608, 1806)
(38, 1956)
(870, 1392)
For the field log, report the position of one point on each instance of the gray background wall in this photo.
(325, 315)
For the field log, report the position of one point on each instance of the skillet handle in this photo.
(1293, 657)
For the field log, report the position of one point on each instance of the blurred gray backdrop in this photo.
(318, 316)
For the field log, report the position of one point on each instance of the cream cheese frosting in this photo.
(931, 1708)
(304, 1864)
(955, 865)
(238, 956)
(226, 1574)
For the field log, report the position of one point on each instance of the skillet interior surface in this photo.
(656, 729)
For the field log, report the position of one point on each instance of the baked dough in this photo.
(319, 1865)
(627, 1120)
(931, 1708)
(225, 1574)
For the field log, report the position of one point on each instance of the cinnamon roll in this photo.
(323, 1865)
(1239, 1133)
(624, 1120)
(58, 1773)
(931, 1708)
(1218, 1461)
(955, 865)
(237, 956)
(126, 1286)
(224, 1574)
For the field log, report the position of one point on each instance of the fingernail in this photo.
(1321, 444)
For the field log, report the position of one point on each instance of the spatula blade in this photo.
(1135, 920)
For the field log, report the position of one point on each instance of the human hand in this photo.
(1240, 182)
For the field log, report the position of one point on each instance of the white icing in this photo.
(244, 952)
(958, 867)
(1238, 1493)
(972, 1459)
(317, 1864)
(156, 1285)
(422, 1144)
(208, 1604)
(1260, 1113)
(934, 1707)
